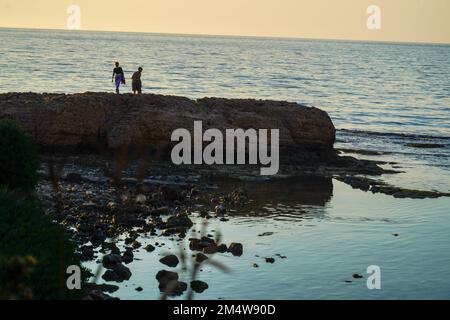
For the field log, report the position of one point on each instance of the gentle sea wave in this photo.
(381, 87)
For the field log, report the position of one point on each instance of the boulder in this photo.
(105, 121)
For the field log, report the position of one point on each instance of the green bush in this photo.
(19, 160)
(25, 231)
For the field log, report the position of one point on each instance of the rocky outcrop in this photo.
(102, 120)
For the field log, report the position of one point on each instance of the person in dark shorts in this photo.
(118, 76)
(137, 83)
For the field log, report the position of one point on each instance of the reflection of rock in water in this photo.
(291, 198)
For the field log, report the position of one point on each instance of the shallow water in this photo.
(325, 244)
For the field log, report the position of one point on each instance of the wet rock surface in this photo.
(199, 286)
(118, 273)
(103, 120)
(170, 261)
(236, 249)
(377, 186)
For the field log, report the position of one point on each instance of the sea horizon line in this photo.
(256, 37)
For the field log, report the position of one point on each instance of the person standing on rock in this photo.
(137, 83)
(118, 76)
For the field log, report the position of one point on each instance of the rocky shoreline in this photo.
(107, 179)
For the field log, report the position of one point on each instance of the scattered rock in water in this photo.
(139, 289)
(211, 250)
(376, 186)
(395, 234)
(129, 240)
(200, 257)
(236, 249)
(199, 286)
(178, 289)
(99, 296)
(119, 273)
(170, 261)
(168, 283)
(114, 249)
(255, 265)
(128, 256)
(98, 237)
(201, 244)
(149, 248)
(222, 248)
(136, 244)
(181, 222)
(111, 260)
(87, 253)
(164, 277)
(270, 260)
(265, 234)
(102, 287)
(357, 276)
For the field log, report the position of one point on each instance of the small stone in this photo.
(170, 261)
(236, 249)
(122, 271)
(111, 260)
(265, 234)
(139, 289)
(357, 276)
(270, 260)
(102, 287)
(99, 295)
(200, 257)
(168, 280)
(136, 244)
(87, 253)
(149, 248)
(199, 286)
(119, 273)
(128, 256)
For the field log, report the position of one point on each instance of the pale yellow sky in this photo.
(402, 20)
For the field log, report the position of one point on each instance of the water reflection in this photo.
(294, 198)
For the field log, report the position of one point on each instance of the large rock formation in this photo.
(112, 121)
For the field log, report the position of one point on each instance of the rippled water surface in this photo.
(381, 97)
(324, 242)
(402, 88)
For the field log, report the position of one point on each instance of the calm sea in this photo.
(403, 88)
(381, 97)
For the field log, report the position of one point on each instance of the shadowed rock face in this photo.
(109, 121)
